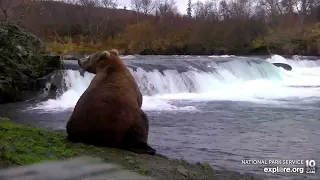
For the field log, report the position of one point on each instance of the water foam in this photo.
(77, 84)
(296, 61)
(196, 81)
(128, 57)
(237, 80)
(304, 73)
(222, 56)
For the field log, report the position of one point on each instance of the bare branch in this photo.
(109, 3)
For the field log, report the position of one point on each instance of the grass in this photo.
(206, 166)
(24, 145)
(144, 171)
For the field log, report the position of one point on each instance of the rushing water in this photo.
(216, 109)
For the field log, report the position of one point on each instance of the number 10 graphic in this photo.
(310, 166)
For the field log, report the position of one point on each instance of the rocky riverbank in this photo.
(25, 145)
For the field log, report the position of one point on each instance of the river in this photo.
(216, 109)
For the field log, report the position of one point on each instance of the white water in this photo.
(223, 56)
(235, 81)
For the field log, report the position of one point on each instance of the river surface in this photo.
(216, 109)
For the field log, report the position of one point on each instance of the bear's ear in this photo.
(114, 52)
(105, 54)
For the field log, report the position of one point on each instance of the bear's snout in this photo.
(82, 62)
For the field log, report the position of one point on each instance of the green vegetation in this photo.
(24, 145)
(23, 61)
(144, 171)
(206, 165)
(156, 27)
(69, 47)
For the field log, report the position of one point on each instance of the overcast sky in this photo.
(181, 4)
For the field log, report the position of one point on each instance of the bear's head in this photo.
(97, 61)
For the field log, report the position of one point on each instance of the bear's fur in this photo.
(109, 112)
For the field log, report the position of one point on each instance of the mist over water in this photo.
(228, 78)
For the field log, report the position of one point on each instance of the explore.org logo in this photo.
(284, 166)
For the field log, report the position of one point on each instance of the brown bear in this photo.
(109, 112)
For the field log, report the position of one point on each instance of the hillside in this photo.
(228, 27)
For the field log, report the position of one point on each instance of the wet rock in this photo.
(73, 169)
(72, 57)
(283, 65)
(44, 88)
(53, 62)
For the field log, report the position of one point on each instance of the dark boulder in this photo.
(48, 87)
(283, 65)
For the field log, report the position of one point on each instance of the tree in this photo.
(205, 11)
(147, 6)
(136, 5)
(272, 7)
(70, 1)
(109, 3)
(224, 10)
(231, 26)
(87, 3)
(189, 9)
(167, 7)
(241, 9)
(7, 7)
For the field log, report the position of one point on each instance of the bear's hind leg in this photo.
(135, 141)
(136, 137)
(141, 148)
